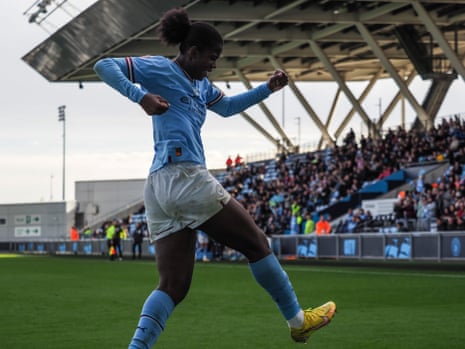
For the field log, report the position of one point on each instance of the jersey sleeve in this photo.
(227, 106)
(119, 74)
(214, 94)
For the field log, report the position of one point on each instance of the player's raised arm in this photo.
(230, 105)
(113, 71)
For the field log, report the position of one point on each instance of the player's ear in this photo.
(193, 52)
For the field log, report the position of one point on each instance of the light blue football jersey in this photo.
(176, 133)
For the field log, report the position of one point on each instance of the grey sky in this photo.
(109, 137)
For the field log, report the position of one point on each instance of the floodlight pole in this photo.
(298, 132)
(61, 117)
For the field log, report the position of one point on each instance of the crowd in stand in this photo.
(323, 178)
(291, 201)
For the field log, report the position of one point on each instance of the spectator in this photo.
(87, 233)
(353, 223)
(296, 218)
(74, 234)
(238, 161)
(367, 221)
(385, 173)
(460, 214)
(137, 239)
(117, 241)
(229, 163)
(422, 214)
(202, 243)
(323, 227)
(110, 230)
(420, 183)
(309, 226)
(400, 227)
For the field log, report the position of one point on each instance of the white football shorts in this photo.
(181, 195)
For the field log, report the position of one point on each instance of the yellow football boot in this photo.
(314, 319)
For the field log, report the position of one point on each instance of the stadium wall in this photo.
(35, 221)
(102, 200)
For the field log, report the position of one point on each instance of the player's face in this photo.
(204, 63)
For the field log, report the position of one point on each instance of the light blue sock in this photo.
(156, 310)
(271, 276)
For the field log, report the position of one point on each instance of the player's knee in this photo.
(258, 250)
(177, 288)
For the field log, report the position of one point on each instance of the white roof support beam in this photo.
(266, 111)
(313, 115)
(331, 114)
(269, 16)
(323, 33)
(423, 116)
(360, 100)
(439, 37)
(395, 100)
(330, 68)
(260, 129)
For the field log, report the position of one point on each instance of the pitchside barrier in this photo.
(86, 247)
(440, 246)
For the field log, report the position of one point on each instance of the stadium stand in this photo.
(417, 168)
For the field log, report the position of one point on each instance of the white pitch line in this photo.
(387, 273)
(330, 269)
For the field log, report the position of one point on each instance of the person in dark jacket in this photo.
(137, 239)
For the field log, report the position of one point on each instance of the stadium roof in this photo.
(320, 40)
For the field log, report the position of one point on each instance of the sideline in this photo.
(11, 255)
(420, 273)
(353, 270)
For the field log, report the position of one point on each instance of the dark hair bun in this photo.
(174, 26)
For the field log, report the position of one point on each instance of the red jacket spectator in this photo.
(229, 163)
(74, 234)
(238, 160)
(323, 227)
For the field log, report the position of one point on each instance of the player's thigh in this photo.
(234, 227)
(175, 262)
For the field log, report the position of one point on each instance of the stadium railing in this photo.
(440, 246)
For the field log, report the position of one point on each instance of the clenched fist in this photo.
(277, 81)
(154, 104)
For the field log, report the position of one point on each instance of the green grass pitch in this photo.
(83, 303)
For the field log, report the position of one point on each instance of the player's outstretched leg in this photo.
(270, 275)
(156, 310)
(234, 227)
